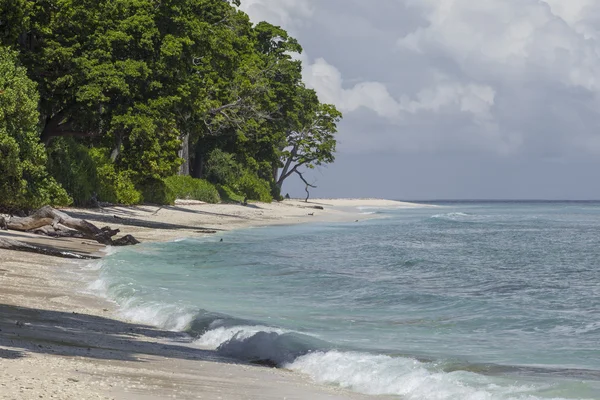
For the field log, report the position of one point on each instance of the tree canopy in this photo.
(24, 181)
(154, 85)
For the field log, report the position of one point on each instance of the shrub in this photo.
(113, 186)
(275, 191)
(117, 187)
(73, 167)
(87, 173)
(186, 187)
(253, 187)
(221, 168)
(156, 191)
(228, 195)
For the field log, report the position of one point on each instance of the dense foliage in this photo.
(132, 92)
(186, 187)
(24, 181)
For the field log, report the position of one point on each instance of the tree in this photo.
(312, 141)
(135, 75)
(24, 181)
(158, 85)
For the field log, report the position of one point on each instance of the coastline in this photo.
(56, 341)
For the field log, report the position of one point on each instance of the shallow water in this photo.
(463, 301)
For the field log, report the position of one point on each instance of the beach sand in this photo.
(56, 341)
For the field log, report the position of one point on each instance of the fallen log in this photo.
(9, 244)
(61, 232)
(48, 216)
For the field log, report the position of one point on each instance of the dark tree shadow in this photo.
(182, 209)
(128, 221)
(69, 334)
(10, 354)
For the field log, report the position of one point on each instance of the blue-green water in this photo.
(461, 301)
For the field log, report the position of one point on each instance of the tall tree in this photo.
(24, 181)
(312, 141)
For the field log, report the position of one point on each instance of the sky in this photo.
(452, 99)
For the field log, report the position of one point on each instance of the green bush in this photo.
(186, 187)
(113, 186)
(221, 168)
(73, 167)
(117, 187)
(156, 191)
(228, 195)
(87, 173)
(253, 187)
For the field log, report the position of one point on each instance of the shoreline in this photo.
(55, 339)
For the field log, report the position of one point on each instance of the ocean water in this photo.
(497, 300)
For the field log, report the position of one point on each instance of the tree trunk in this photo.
(49, 216)
(9, 244)
(184, 153)
(285, 172)
(197, 170)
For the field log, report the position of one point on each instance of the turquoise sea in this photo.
(465, 300)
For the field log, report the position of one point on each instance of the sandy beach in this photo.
(58, 342)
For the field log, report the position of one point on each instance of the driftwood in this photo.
(9, 244)
(58, 232)
(47, 220)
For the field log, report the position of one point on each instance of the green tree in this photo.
(134, 75)
(24, 181)
(312, 141)
(159, 85)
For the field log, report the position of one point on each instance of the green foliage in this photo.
(117, 187)
(156, 191)
(131, 78)
(221, 168)
(24, 180)
(235, 180)
(113, 186)
(275, 191)
(228, 195)
(254, 188)
(74, 168)
(312, 141)
(186, 187)
(89, 173)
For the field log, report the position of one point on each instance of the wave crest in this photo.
(409, 378)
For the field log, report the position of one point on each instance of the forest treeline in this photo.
(130, 101)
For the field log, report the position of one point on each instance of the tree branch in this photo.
(306, 183)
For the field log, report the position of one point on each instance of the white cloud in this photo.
(286, 13)
(329, 85)
(582, 15)
(522, 38)
(498, 76)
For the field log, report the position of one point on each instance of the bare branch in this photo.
(305, 183)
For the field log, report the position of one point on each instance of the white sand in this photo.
(57, 342)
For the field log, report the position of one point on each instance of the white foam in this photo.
(109, 250)
(216, 337)
(99, 287)
(453, 215)
(411, 379)
(165, 316)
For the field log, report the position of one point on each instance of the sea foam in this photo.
(409, 378)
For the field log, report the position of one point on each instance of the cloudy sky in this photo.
(453, 99)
